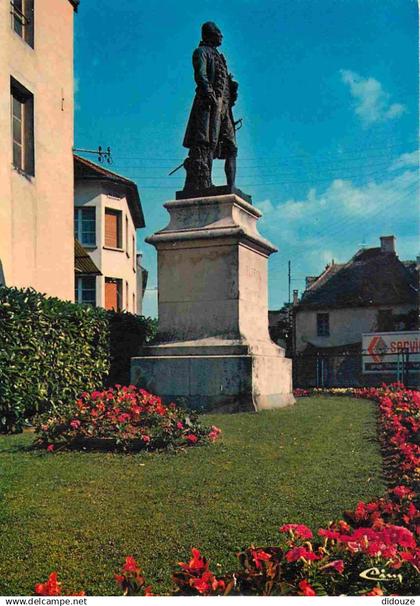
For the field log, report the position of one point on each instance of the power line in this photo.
(299, 155)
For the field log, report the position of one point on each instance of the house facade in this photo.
(107, 212)
(373, 292)
(36, 140)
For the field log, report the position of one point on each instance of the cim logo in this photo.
(377, 348)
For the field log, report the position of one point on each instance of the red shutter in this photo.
(112, 229)
(111, 295)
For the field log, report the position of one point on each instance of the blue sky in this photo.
(328, 93)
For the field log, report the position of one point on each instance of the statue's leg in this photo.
(228, 149)
(230, 167)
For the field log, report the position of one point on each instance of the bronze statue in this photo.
(210, 130)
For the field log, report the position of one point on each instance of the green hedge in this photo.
(50, 352)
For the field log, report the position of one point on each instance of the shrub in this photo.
(124, 417)
(51, 350)
(128, 334)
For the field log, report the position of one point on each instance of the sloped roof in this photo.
(87, 170)
(371, 277)
(83, 263)
(75, 4)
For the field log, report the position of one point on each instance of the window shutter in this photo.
(111, 229)
(111, 295)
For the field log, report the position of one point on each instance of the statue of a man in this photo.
(210, 131)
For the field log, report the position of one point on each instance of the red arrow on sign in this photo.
(372, 347)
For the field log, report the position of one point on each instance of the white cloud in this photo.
(331, 223)
(371, 101)
(406, 160)
(265, 206)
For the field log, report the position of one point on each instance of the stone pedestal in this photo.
(213, 350)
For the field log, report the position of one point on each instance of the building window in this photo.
(85, 290)
(85, 225)
(113, 294)
(22, 113)
(22, 12)
(323, 325)
(127, 248)
(113, 228)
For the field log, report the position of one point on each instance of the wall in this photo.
(113, 263)
(346, 325)
(36, 213)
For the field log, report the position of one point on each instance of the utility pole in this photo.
(289, 277)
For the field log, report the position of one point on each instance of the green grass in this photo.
(81, 513)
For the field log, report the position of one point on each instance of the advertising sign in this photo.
(386, 352)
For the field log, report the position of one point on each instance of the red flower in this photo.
(50, 447)
(50, 587)
(300, 552)
(197, 563)
(258, 555)
(337, 565)
(191, 438)
(306, 588)
(75, 424)
(375, 591)
(130, 565)
(402, 491)
(180, 425)
(299, 530)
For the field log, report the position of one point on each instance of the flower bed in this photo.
(371, 551)
(122, 417)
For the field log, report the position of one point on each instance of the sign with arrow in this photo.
(384, 352)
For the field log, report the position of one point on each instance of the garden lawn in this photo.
(81, 513)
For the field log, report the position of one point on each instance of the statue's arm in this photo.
(200, 72)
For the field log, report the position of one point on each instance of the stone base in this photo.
(216, 383)
(213, 351)
(215, 190)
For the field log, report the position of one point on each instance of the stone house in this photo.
(374, 292)
(36, 140)
(107, 212)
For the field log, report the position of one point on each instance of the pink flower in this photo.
(180, 425)
(75, 424)
(145, 438)
(50, 447)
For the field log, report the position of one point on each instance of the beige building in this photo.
(36, 139)
(373, 292)
(107, 212)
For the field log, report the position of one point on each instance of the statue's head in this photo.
(211, 34)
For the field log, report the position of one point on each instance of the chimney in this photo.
(295, 297)
(388, 244)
